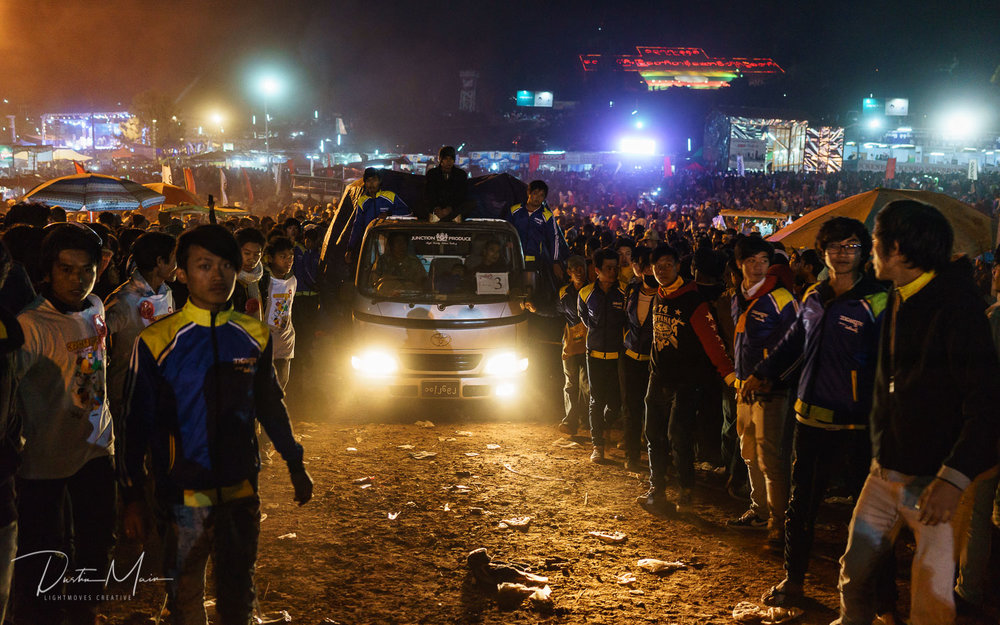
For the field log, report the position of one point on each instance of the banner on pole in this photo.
(167, 176)
(890, 169)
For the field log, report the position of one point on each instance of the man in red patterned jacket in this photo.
(685, 343)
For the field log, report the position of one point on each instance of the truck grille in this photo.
(441, 362)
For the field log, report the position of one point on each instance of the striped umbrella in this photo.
(94, 192)
(973, 230)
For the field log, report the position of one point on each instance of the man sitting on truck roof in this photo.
(372, 204)
(398, 270)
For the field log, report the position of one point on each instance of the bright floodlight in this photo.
(874, 123)
(269, 85)
(959, 124)
(637, 145)
(639, 124)
(217, 118)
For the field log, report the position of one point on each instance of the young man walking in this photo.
(200, 381)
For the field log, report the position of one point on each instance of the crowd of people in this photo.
(139, 357)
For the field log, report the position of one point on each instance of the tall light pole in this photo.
(269, 86)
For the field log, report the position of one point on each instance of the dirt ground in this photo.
(393, 550)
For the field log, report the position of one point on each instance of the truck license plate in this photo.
(446, 388)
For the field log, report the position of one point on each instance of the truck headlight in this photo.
(375, 363)
(505, 364)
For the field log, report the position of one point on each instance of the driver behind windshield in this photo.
(398, 270)
(492, 261)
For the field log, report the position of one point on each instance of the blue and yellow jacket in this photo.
(367, 209)
(604, 315)
(761, 321)
(541, 237)
(198, 383)
(566, 306)
(638, 341)
(835, 339)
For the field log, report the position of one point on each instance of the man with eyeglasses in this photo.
(835, 340)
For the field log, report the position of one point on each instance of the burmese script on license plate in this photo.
(442, 388)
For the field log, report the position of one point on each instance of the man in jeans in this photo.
(763, 311)
(200, 380)
(934, 421)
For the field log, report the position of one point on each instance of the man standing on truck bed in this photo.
(447, 188)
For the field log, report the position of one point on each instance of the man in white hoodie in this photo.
(66, 482)
(136, 304)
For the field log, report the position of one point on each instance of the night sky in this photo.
(397, 62)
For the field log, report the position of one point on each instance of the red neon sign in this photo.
(694, 59)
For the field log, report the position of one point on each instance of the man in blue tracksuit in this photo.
(762, 311)
(370, 205)
(602, 309)
(638, 343)
(200, 381)
(835, 340)
(542, 240)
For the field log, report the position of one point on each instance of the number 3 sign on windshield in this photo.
(491, 284)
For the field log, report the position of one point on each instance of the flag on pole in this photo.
(167, 177)
(79, 168)
(890, 169)
(223, 185)
(189, 180)
(246, 183)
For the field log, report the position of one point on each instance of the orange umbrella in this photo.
(973, 230)
(175, 196)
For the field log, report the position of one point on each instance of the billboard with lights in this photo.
(539, 99)
(662, 68)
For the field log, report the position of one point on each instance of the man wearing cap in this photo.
(372, 204)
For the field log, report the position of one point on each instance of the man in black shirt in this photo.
(447, 187)
(934, 422)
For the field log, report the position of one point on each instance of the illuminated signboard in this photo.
(871, 105)
(662, 68)
(897, 106)
(541, 99)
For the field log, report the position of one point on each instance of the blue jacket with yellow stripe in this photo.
(367, 209)
(198, 383)
(541, 237)
(638, 336)
(835, 339)
(604, 315)
(761, 321)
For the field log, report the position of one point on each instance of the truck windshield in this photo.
(446, 265)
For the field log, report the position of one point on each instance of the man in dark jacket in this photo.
(934, 422)
(447, 187)
(685, 343)
(11, 339)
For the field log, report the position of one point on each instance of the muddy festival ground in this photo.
(398, 507)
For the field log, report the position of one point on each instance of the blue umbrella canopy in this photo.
(94, 192)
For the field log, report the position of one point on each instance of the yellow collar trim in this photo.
(203, 317)
(909, 290)
(678, 283)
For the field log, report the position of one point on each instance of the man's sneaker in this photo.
(749, 521)
(685, 501)
(634, 465)
(597, 455)
(566, 428)
(654, 499)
